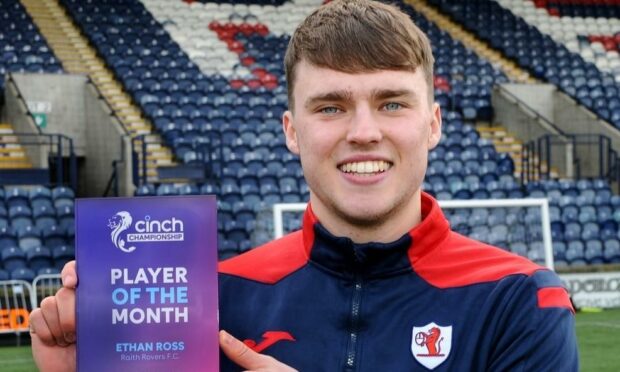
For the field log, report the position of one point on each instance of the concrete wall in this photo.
(539, 97)
(526, 122)
(63, 95)
(15, 112)
(575, 119)
(106, 141)
(533, 111)
(77, 111)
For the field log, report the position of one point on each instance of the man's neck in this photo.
(384, 230)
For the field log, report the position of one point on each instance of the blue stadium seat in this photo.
(575, 253)
(16, 197)
(13, 258)
(61, 255)
(63, 196)
(519, 248)
(48, 271)
(594, 251)
(20, 216)
(39, 258)
(8, 237)
(28, 238)
(145, 190)
(188, 190)
(65, 216)
(40, 196)
(23, 274)
(44, 215)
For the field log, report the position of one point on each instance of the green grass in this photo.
(597, 333)
(16, 359)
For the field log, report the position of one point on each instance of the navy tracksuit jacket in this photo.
(433, 300)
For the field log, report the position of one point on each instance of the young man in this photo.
(375, 279)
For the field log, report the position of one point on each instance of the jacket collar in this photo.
(343, 257)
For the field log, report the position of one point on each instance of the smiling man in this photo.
(375, 280)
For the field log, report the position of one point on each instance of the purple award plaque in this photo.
(147, 292)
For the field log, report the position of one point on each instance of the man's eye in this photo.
(329, 110)
(392, 106)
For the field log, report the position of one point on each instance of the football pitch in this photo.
(598, 335)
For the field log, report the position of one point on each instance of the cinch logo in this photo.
(147, 230)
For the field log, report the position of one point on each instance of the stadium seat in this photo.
(63, 196)
(16, 197)
(48, 271)
(65, 216)
(13, 258)
(44, 214)
(8, 238)
(23, 273)
(40, 196)
(28, 237)
(61, 255)
(39, 258)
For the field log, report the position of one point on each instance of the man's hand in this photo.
(247, 358)
(52, 327)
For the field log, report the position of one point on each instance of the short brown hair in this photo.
(356, 36)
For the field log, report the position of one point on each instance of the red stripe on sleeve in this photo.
(554, 297)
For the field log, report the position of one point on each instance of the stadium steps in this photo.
(506, 142)
(12, 154)
(78, 56)
(510, 68)
(157, 155)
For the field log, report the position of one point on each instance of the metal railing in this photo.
(598, 148)
(16, 302)
(57, 148)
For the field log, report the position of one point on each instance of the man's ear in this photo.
(435, 133)
(290, 133)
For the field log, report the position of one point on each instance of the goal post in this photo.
(280, 209)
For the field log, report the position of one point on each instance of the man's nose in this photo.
(364, 127)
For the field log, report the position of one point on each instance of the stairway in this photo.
(506, 142)
(12, 154)
(78, 56)
(510, 68)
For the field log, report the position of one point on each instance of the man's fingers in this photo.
(238, 352)
(49, 310)
(69, 275)
(65, 302)
(39, 329)
(247, 358)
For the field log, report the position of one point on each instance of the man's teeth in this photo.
(365, 167)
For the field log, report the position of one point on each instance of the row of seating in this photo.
(203, 75)
(38, 258)
(37, 230)
(22, 48)
(30, 236)
(547, 59)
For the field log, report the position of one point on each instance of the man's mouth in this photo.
(365, 168)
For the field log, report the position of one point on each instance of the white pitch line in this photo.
(600, 324)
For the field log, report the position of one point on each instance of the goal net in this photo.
(521, 226)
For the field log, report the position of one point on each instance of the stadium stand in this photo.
(22, 48)
(585, 74)
(209, 77)
(38, 233)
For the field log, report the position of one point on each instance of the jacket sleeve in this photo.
(539, 329)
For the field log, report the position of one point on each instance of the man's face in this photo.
(363, 140)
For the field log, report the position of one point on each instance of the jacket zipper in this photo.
(353, 331)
